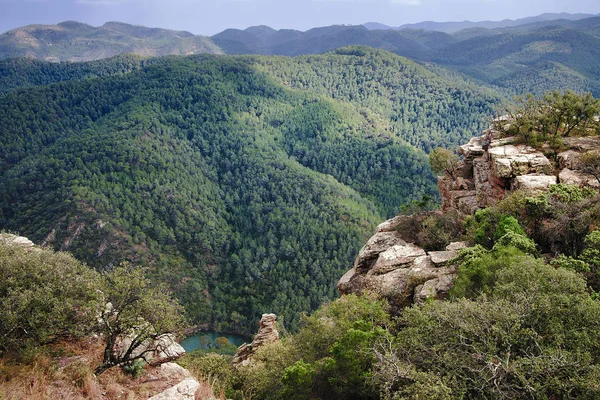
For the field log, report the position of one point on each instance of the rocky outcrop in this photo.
(266, 334)
(160, 350)
(400, 272)
(494, 166)
(15, 240)
(392, 267)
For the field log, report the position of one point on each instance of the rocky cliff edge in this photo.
(392, 267)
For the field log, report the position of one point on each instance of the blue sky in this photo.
(207, 17)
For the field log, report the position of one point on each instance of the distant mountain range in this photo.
(534, 57)
(74, 41)
(535, 54)
(455, 26)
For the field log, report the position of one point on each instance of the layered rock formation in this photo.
(493, 166)
(398, 271)
(392, 267)
(266, 334)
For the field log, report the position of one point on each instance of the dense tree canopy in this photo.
(243, 194)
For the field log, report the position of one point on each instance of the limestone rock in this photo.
(473, 149)
(266, 334)
(184, 390)
(160, 350)
(534, 182)
(174, 371)
(15, 240)
(391, 224)
(396, 257)
(397, 271)
(379, 243)
(166, 349)
(440, 258)
(513, 160)
(455, 246)
(582, 144)
(570, 177)
(568, 159)
(437, 288)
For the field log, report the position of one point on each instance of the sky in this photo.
(207, 17)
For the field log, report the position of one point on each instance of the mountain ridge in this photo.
(455, 26)
(76, 41)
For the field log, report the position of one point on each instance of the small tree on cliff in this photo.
(136, 314)
(443, 161)
(551, 117)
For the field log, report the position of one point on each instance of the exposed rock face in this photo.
(266, 334)
(391, 267)
(493, 167)
(398, 271)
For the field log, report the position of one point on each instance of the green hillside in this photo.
(531, 57)
(245, 190)
(74, 41)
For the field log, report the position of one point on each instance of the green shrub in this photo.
(135, 368)
(44, 296)
(532, 335)
(298, 381)
(507, 224)
(481, 227)
(478, 268)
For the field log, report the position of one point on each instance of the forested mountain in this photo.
(537, 54)
(548, 58)
(318, 40)
(455, 26)
(18, 73)
(535, 57)
(247, 183)
(74, 41)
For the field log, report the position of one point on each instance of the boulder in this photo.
(582, 144)
(512, 160)
(473, 149)
(391, 224)
(184, 390)
(396, 272)
(568, 159)
(166, 349)
(396, 257)
(437, 288)
(379, 243)
(571, 177)
(162, 349)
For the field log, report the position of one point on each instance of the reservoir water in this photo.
(207, 339)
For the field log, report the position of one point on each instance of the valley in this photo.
(220, 179)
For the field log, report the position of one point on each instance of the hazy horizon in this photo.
(208, 17)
